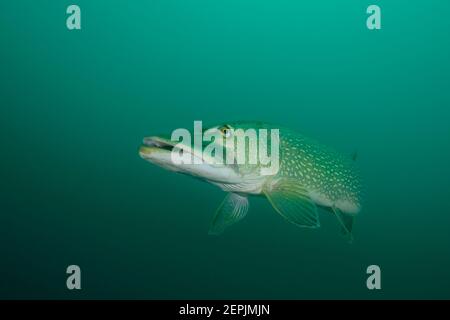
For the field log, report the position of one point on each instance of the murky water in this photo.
(76, 104)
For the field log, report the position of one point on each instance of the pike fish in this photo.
(310, 176)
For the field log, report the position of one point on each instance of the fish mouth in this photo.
(152, 145)
(158, 150)
(160, 146)
(157, 143)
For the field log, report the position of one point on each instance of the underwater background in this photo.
(75, 105)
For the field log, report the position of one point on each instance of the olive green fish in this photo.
(310, 175)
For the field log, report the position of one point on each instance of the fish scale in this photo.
(320, 169)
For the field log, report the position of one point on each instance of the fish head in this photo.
(212, 154)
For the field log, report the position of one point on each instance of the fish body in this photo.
(309, 175)
(331, 179)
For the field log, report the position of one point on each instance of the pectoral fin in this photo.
(346, 222)
(291, 200)
(233, 209)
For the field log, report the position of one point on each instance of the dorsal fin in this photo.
(354, 155)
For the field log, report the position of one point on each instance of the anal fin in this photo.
(346, 222)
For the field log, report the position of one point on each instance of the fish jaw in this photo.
(158, 150)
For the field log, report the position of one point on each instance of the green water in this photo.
(76, 104)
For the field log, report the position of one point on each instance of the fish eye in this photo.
(226, 131)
